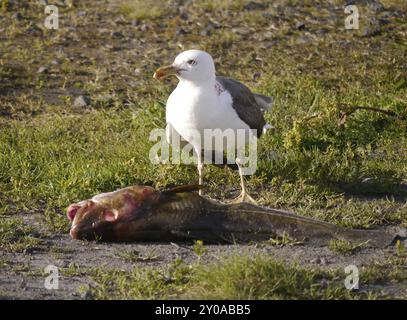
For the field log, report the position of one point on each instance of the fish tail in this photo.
(376, 238)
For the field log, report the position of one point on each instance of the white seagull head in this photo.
(195, 66)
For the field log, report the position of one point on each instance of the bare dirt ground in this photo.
(24, 276)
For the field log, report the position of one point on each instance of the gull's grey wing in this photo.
(245, 104)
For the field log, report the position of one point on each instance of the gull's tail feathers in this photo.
(264, 102)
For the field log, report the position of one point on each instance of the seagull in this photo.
(203, 100)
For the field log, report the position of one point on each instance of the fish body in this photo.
(142, 213)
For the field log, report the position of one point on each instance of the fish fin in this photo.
(184, 188)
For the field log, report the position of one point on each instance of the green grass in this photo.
(199, 249)
(17, 236)
(345, 247)
(391, 270)
(144, 10)
(133, 256)
(284, 240)
(239, 277)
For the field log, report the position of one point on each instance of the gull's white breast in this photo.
(193, 109)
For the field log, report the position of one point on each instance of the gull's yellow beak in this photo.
(164, 72)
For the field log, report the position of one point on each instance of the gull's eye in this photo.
(191, 62)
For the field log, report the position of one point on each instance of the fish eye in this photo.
(191, 62)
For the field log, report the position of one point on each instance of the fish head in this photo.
(107, 217)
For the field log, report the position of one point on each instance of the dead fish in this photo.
(142, 213)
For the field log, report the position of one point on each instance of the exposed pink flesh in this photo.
(130, 204)
(109, 216)
(72, 210)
